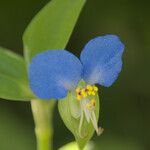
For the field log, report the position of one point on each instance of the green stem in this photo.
(42, 114)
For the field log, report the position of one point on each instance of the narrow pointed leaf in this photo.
(13, 77)
(51, 27)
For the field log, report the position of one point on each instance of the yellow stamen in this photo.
(95, 88)
(78, 97)
(83, 93)
(89, 87)
(88, 105)
(78, 90)
(93, 93)
(93, 102)
(89, 92)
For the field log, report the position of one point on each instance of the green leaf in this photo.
(13, 77)
(69, 110)
(52, 26)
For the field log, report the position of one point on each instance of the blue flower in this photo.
(53, 73)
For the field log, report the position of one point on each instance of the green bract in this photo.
(70, 112)
(13, 77)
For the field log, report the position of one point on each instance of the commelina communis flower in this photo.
(53, 73)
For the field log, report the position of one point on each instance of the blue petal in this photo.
(102, 60)
(54, 72)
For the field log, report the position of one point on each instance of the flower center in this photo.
(89, 90)
(86, 97)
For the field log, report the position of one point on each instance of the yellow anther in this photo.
(89, 92)
(93, 93)
(78, 90)
(88, 105)
(93, 102)
(89, 87)
(78, 97)
(84, 95)
(83, 91)
(95, 88)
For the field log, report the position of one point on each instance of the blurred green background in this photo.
(125, 107)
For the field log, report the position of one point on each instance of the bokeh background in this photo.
(125, 107)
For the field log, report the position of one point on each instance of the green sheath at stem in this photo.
(42, 113)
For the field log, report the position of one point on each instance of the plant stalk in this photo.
(42, 114)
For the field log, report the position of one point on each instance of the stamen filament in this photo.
(88, 106)
(81, 122)
(98, 130)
